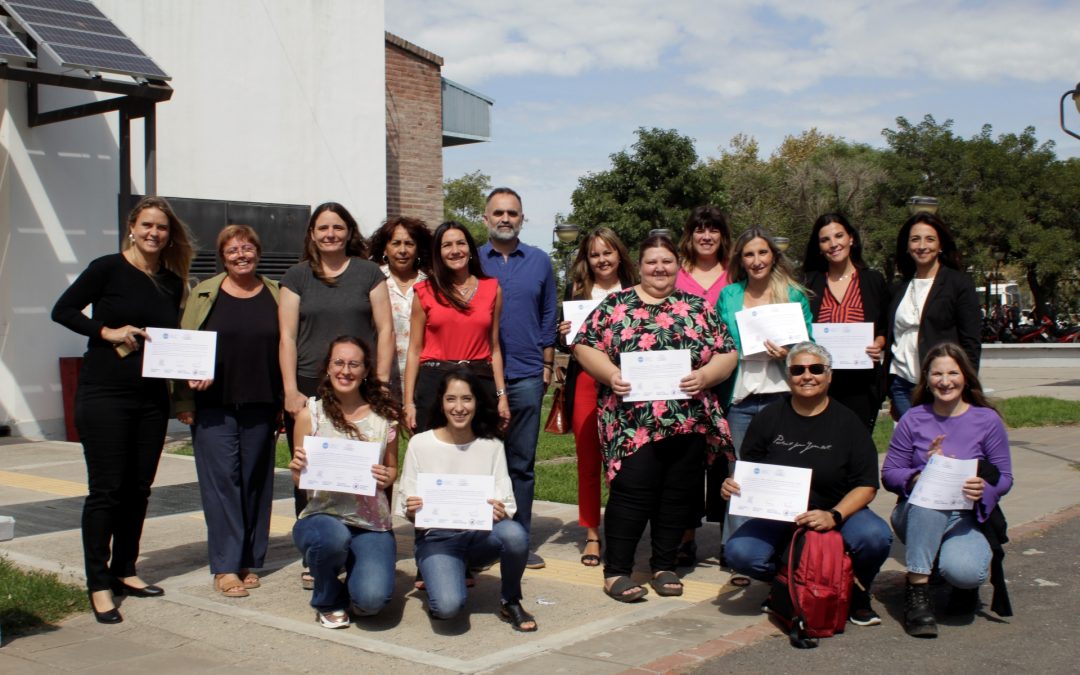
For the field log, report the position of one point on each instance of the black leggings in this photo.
(662, 485)
(122, 431)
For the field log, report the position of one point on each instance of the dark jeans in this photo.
(234, 459)
(308, 386)
(661, 485)
(901, 391)
(122, 431)
(526, 396)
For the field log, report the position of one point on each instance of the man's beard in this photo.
(503, 235)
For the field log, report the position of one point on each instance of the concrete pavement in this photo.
(194, 629)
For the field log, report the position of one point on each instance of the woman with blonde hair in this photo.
(122, 416)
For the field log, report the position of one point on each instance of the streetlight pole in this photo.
(1075, 93)
(921, 204)
(564, 233)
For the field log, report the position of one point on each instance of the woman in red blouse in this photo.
(455, 323)
(845, 290)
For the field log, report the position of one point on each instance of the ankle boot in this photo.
(919, 611)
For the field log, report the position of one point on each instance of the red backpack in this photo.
(811, 592)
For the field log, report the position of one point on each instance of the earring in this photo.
(384, 258)
(131, 237)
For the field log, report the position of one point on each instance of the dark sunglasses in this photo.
(815, 369)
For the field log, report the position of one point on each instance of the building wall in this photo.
(413, 132)
(275, 101)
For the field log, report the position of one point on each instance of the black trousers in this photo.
(660, 485)
(308, 386)
(122, 431)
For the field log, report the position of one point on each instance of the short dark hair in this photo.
(702, 217)
(814, 260)
(485, 423)
(416, 228)
(657, 241)
(949, 256)
(503, 191)
(354, 244)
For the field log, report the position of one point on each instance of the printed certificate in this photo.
(941, 484)
(177, 354)
(340, 465)
(655, 376)
(847, 343)
(455, 501)
(576, 311)
(770, 491)
(782, 323)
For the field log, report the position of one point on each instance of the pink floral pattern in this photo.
(623, 323)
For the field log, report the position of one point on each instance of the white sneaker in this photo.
(338, 618)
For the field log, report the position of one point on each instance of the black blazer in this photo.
(951, 314)
(875, 296)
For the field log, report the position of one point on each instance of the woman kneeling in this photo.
(950, 417)
(463, 441)
(809, 430)
(338, 529)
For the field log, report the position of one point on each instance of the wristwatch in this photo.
(499, 393)
(837, 516)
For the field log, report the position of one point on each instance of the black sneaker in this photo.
(860, 612)
(534, 562)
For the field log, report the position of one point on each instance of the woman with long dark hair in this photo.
(935, 302)
(602, 266)
(120, 415)
(340, 530)
(455, 323)
(464, 440)
(844, 290)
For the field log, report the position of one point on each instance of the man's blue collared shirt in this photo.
(527, 323)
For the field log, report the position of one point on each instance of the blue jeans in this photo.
(738, 417)
(953, 537)
(526, 396)
(443, 556)
(755, 549)
(900, 390)
(234, 459)
(368, 557)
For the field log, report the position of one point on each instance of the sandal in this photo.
(514, 614)
(249, 579)
(663, 581)
(338, 618)
(621, 585)
(230, 586)
(739, 580)
(591, 559)
(307, 581)
(687, 554)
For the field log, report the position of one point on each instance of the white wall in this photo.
(275, 101)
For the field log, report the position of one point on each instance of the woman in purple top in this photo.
(951, 417)
(704, 249)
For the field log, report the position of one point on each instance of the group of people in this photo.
(426, 336)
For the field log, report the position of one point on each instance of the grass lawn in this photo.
(281, 459)
(31, 599)
(1038, 411)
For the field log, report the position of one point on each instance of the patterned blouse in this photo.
(401, 309)
(623, 322)
(848, 309)
(368, 513)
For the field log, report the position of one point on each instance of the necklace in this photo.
(842, 277)
(467, 289)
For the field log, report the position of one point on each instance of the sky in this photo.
(573, 80)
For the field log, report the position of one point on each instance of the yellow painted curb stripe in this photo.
(54, 486)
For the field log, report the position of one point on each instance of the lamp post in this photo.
(921, 204)
(660, 232)
(1075, 93)
(562, 234)
(782, 243)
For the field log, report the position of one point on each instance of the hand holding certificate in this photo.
(576, 311)
(178, 354)
(781, 323)
(655, 376)
(847, 343)
(941, 484)
(339, 465)
(770, 491)
(455, 501)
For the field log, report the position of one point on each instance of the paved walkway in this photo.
(194, 629)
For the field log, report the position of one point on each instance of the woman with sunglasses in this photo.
(806, 429)
(337, 529)
(844, 290)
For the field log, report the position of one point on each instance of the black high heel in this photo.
(108, 616)
(147, 591)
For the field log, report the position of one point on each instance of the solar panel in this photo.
(12, 46)
(80, 36)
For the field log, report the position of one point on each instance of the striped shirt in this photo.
(848, 309)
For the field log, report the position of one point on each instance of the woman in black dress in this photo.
(121, 416)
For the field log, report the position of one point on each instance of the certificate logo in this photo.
(164, 336)
(325, 445)
(825, 330)
(757, 469)
(439, 482)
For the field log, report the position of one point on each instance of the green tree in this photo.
(464, 201)
(654, 185)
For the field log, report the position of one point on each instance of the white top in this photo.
(427, 454)
(905, 349)
(601, 293)
(759, 374)
(401, 311)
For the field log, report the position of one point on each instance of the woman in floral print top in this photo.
(655, 451)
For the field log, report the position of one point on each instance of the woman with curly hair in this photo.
(338, 529)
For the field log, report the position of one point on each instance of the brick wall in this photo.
(413, 132)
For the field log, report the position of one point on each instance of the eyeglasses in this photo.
(499, 213)
(339, 364)
(247, 248)
(814, 368)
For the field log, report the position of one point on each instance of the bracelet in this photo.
(499, 393)
(549, 363)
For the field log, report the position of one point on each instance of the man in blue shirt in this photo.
(527, 337)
